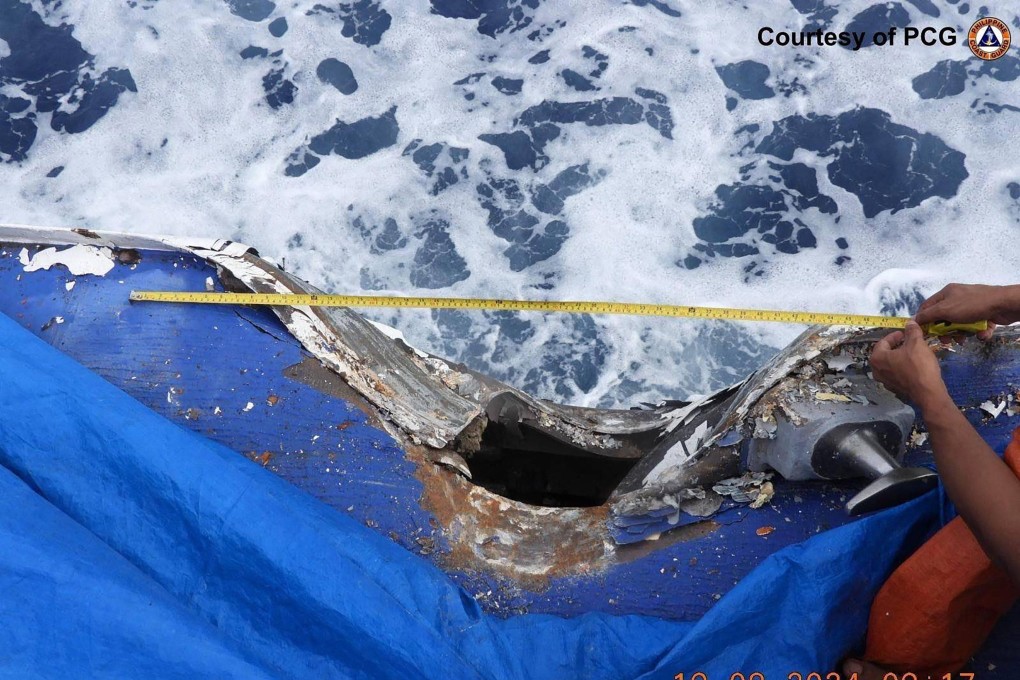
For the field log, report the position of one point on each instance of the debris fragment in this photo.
(209, 285)
(764, 531)
(427, 544)
(53, 322)
(731, 438)
(831, 396)
(69, 285)
(247, 407)
(455, 462)
(993, 409)
(765, 494)
(839, 362)
(744, 489)
(272, 400)
(764, 429)
(702, 507)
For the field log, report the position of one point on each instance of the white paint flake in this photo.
(993, 409)
(80, 260)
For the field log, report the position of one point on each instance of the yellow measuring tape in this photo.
(572, 307)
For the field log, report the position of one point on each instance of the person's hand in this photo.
(903, 362)
(966, 303)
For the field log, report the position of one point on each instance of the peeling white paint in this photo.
(393, 334)
(305, 325)
(679, 454)
(993, 409)
(808, 348)
(436, 428)
(680, 415)
(80, 260)
(69, 285)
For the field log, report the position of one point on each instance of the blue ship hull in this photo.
(239, 377)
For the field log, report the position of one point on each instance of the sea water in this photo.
(643, 151)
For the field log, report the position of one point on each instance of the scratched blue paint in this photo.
(218, 357)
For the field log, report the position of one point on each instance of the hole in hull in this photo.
(529, 466)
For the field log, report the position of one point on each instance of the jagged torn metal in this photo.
(432, 401)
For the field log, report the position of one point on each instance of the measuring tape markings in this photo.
(585, 307)
(588, 307)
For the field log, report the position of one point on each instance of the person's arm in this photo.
(966, 303)
(984, 489)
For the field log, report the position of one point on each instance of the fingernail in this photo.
(853, 667)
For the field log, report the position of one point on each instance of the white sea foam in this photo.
(220, 172)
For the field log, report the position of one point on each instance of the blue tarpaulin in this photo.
(130, 547)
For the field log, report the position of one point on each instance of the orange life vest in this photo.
(938, 607)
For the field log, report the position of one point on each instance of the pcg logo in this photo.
(988, 38)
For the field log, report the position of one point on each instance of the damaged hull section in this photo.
(442, 459)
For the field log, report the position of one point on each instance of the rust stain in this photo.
(128, 256)
(382, 388)
(684, 534)
(528, 544)
(261, 458)
(344, 425)
(764, 531)
(272, 400)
